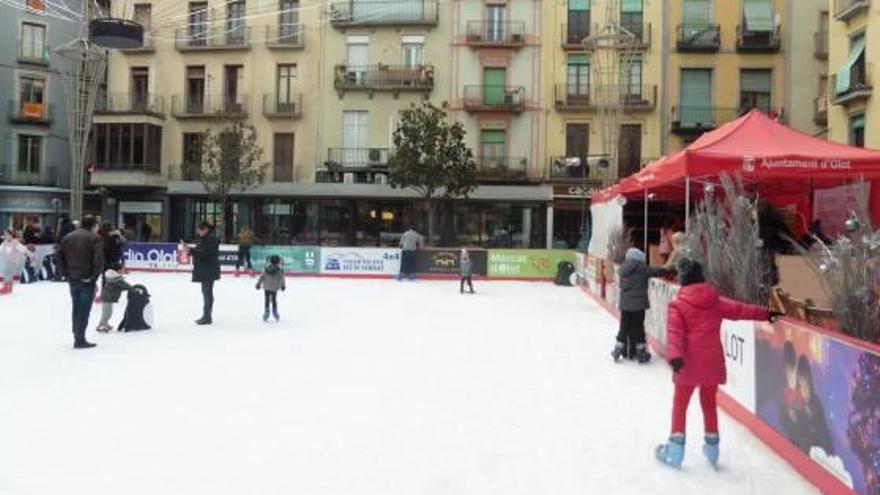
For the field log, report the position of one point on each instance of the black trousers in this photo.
(470, 282)
(408, 263)
(207, 298)
(244, 253)
(271, 300)
(82, 296)
(632, 330)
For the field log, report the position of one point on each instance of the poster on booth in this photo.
(360, 261)
(738, 340)
(526, 263)
(823, 395)
(660, 294)
(296, 259)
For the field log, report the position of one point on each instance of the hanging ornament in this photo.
(852, 225)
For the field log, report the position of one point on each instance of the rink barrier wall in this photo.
(361, 262)
(755, 396)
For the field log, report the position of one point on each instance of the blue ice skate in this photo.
(275, 315)
(711, 450)
(672, 452)
(266, 315)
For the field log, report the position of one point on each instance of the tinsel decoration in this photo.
(724, 237)
(849, 269)
(864, 420)
(619, 240)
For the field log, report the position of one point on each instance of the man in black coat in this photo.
(206, 268)
(80, 259)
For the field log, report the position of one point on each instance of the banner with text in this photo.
(446, 261)
(360, 261)
(527, 263)
(296, 259)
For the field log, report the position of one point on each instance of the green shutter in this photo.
(758, 15)
(493, 85)
(493, 137)
(630, 6)
(755, 81)
(696, 96)
(842, 81)
(578, 4)
(578, 59)
(696, 13)
(857, 122)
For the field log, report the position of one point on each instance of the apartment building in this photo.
(34, 152)
(579, 80)
(851, 110)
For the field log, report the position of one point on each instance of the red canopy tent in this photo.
(778, 160)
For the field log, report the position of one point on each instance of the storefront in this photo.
(19, 206)
(571, 215)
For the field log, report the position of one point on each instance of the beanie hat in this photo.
(635, 254)
(111, 274)
(690, 272)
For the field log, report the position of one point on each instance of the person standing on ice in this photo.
(246, 240)
(271, 281)
(114, 285)
(410, 243)
(12, 257)
(206, 268)
(634, 276)
(466, 267)
(695, 352)
(81, 260)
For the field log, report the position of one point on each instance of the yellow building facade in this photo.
(852, 40)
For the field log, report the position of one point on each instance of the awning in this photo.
(758, 15)
(843, 81)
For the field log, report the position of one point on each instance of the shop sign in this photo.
(575, 191)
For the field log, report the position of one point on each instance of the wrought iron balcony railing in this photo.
(383, 77)
(859, 89)
(573, 35)
(201, 37)
(384, 13)
(748, 41)
(502, 169)
(844, 10)
(209, 105)
(490, 98)
(46, 176)
(282, 107)
(24, 112)
(356, 158)
(285, 36)
(703, 38)
(578, 97)
(125, 103)
(496, 33)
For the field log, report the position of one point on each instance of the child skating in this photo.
(634, 276)
(696, 355)
(114, 285)
(466, 268)
(271, 281)
(13, 254)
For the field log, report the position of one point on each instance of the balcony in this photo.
(202, 38)
(286, 108)
(631, 98)
(357, 159)
(689, 120)
(844, 10)
(493, 34)
(128, 104)
(820, 42)
(209, 106)
(820, 110)
(641, 32)
(337, 176)
(132, 175)
(360, 13)
(572, 169)
(390, 78)
(502, 169)
(41, 59)
(48, 176)
(698, 38)
(30, 113)
(286, 37)
(573, 36)
(859, 89)
(187, 172)
(495, 99)
(148, 46)
(748, 41)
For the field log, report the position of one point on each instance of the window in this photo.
(235, 23)
(197, 21)
(696, 17)
(192, 155)
(29, 153)
(630, 146)
(496, 17)
(282, 158)
(494, 79)
(412, 50)
(578, 21)
(577, 75)
(492, 145)
(31, 97)
(758, 15)
(232, 100)
(195, 89)
(285, 90)
(853, 75)
(577, 145)
(695, 99)
(755, 89)
(143, 14)
(631, 76)
(632, 17)
(354, 137)
(288, 20)
(140, 82)
(127, 146)
(857, 130)
(358, 58)
(33, 43)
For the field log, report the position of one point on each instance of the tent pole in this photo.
(645, 234)
(687, 204)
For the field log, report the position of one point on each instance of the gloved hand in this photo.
(283, 289)
(676, 364)
(775, 315)
(258, 286)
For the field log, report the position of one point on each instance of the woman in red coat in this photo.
(696, 355)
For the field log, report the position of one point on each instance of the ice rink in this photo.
(365, 387)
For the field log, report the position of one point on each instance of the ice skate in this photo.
(84, 345)
(711, 449)
(276, 315)
(672, 452)
(642, 354)
(103, 328)
(205, 320)
(266, 315)
(618, 351)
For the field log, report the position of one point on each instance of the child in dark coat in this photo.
(271, 281)
(114, 285)
(634, 276)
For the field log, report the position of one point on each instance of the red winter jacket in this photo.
(694, 332)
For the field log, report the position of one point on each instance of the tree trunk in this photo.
(431, 222)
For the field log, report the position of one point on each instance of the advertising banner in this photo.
(526, 263)
(823, 395)
(228, 254)
(446, 261)
(296, 259)
(660, 294)
(360, 261)
(152, 255)
(738, 338)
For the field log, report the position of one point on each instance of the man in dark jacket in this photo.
(81, 260)
(634, 275)
(206, 268)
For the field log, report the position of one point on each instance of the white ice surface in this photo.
(365, 387)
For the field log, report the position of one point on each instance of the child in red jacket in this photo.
(696, 355)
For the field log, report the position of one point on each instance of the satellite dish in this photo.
(110, 32)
